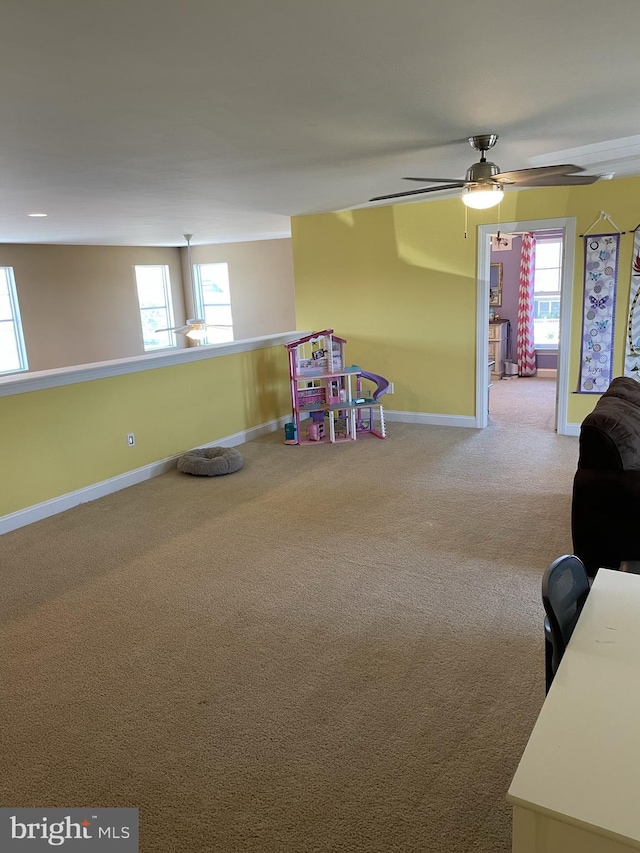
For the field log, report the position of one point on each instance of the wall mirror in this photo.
(495, 284)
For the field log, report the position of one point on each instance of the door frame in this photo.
(568, 226)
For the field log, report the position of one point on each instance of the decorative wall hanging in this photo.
(632, 343)
(598, 316)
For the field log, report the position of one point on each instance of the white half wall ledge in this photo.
(22, 383)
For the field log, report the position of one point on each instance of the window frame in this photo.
(201, 305)
(16, 322)
(549, 295)
(167, 307)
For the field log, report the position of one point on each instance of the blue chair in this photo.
(565, 587)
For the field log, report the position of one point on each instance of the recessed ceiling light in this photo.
(37, 214)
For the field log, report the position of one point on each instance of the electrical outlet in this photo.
(390, 389)
(131, 439)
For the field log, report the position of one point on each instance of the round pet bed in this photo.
(210, 461)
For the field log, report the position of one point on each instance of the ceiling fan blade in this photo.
(437, 180)
(455, 186)
(521, 175)
(174, 329)
(558, 181)
(194, 324)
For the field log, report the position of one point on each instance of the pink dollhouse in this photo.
(328, 402)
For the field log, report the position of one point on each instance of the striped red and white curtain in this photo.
(525, 349)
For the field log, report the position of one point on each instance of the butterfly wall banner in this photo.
(598, 316)
(632, 344)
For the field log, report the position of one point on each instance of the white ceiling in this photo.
(132, 122)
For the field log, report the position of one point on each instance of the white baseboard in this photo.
(131, 478)
(572, 429)
(37, 512)
(547, 372)
(430, 419)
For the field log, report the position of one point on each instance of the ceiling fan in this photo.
(194, 329)
(484, 183)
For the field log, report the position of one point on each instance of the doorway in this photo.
(552, 317)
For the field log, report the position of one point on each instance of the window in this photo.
(546, 293)
(213, 300)
(13, 355)
(154, 299)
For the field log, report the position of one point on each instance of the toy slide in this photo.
(381, 382)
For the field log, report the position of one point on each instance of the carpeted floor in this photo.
(338, 648)
(523, 401)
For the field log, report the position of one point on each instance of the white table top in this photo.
(582, 762)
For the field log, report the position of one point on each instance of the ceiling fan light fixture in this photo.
(482, 196)
(197, 334)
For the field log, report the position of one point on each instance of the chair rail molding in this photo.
(21, 383)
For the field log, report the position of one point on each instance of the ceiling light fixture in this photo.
(198, 333)
(482, 196)
(483, 185)
(35, 215)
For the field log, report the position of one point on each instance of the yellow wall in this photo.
(59, 440)
(399, 283)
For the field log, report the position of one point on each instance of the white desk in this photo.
(577, 787)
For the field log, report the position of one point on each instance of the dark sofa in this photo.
(605, 510)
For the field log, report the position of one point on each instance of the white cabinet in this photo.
(498, 347)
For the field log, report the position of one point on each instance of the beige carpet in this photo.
(523, 401)
(335, 649)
